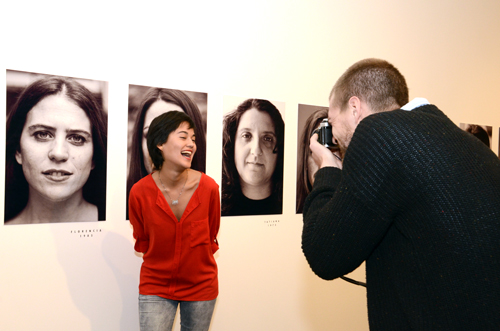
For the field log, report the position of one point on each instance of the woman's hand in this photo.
(322, 155)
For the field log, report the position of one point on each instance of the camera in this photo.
(325, 134)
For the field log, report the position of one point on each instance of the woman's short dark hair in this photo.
(16, 186)
(230, 177)
(159, 130)
(304, 186)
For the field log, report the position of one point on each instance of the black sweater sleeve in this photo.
(339, 231)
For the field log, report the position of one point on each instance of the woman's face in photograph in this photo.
(156, 109)
(253, 148)
(56, 148)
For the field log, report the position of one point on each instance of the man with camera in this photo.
(415, 197)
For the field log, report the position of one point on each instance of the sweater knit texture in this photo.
(418, 199)
(178, 254)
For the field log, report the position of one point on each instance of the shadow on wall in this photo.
(102, 277)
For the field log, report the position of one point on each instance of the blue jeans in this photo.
(157, 313)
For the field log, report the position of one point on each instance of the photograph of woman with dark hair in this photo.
(175, 216)
(252, 164)
(481, 132)
(55, 154)
(151, 102)
(306, 167)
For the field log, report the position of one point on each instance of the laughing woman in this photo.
(55, 155)
(175, 215)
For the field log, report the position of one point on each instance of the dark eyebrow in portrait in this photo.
(35, 127)
(248, 129)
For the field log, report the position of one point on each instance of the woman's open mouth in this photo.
(187, 154)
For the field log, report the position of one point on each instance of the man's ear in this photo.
(359, 109)
(356, 109)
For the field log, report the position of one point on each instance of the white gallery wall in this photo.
(85, 276)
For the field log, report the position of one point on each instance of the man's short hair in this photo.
(374, 81)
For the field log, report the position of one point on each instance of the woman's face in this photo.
(56, 148)
(253, 148)
(178, 151)
(156, 109)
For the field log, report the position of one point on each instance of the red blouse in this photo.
(178, 255)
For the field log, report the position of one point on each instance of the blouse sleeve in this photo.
(137, 222)
(214, 217)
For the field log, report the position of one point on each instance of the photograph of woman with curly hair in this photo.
(252, 160)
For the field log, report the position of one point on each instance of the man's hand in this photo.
(322, 155)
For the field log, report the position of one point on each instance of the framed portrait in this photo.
(56, 149)
(252, 157)
(146, 103)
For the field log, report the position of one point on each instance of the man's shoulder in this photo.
(400, 114)
(399, 122)
(390, 133)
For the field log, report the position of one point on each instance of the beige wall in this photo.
(290, 51)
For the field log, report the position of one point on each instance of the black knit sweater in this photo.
(418, 199)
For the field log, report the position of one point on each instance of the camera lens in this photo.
(325, 134)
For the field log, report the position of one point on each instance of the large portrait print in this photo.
(56, 138)
(252, 157)
(146, 103)
(309, 119)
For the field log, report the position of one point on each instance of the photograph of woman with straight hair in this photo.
(146, 103)
(309, 120)
(481, 132)
(55, 150)
(252, 157)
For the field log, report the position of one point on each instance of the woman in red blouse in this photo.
(175, 215)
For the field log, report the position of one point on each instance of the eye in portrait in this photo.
(252, 160)
(55, 150)
(309, 119)
(481, 132)
(145, 104)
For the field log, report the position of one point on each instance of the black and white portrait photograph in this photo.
(481, 132)
(252, 157)
(309, 119)
(145, 104)
(56, 138)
